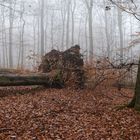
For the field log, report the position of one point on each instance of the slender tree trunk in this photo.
(22, 35)
(42, 27)
(3, 49)
(22, 45)
(120, 34)
(135, 103)
(131, 49)
(52, 33)
(10, 35)
(34, 34)
(79, 33)
(86, 41)
(90, 34)
(3, 39)
(73, 6)
(38, 35)
(63, 15)
(6, 48)
(68, 24)
(46, 34)
(72, 34)
(89, 5)
(107, 33)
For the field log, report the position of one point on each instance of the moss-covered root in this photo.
(120, 107)
(132, 103)
(135, 103)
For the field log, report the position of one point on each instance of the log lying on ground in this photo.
(58, 69)
(27, 80)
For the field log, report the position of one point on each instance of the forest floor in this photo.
(66, 114)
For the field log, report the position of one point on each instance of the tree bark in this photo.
(89, 5)
(135, 103)
(73, 7)
(42, 27)
(90, 34)
(33, 79)
(11, 16)
(120, 34)
(68, 23)
(107, 33)
(52, 30)
(63, 16)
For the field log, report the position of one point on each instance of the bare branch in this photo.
(130, 11)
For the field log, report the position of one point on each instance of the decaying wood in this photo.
(56, 70)
(69, 63)
(27, 80)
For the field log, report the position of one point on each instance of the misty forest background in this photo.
(31, 28)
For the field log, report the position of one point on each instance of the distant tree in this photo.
(89, 5)
(107, 31)
(52, 29)
(22, 30)
(120, 34)
(11, 21)
(42, 26)
(3, 35)
(73, 8)
(63, 17)
(68, 24)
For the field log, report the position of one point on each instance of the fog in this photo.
(31, 28)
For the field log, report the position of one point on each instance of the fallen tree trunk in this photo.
(27, 80)
(57, 69)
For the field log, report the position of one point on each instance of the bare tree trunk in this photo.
(42, 27)
(89, 5)
(38, 36)
(63, 15)
(11, 16)
(3, 49)
(34, 36)
(46, 33)
(68, 23)
(52, 33)
(6, 48)
(73, 6)
(22, 45)
(86, 41)
(121, 34)
(79, 33)
(3, 38)
(90, 34)
(21, 39)
(135, 103)
(22, 36)
(107, 34)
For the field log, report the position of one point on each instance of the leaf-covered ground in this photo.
(66, 114)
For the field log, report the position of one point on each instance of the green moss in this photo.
(58, 76)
